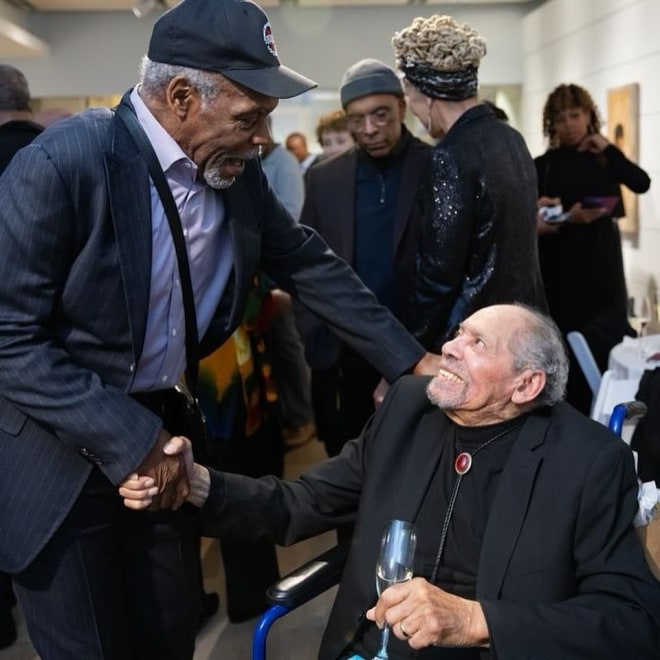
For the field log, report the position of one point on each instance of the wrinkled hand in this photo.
(594, 143)
(169, 475)
(429, 365)
(582, 216)
(430, 616)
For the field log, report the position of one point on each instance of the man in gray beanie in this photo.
(368, 76)
(363, 204)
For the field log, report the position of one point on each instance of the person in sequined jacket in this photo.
(478, 244)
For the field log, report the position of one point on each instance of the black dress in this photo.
(582, 265)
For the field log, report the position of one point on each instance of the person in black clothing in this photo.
(478, 237)
(364, 203)
(16, 130)
(525, 543)
(581, 259)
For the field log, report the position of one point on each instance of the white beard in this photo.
(215, 179)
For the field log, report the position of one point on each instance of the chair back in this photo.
(585, 359)
(612, 390)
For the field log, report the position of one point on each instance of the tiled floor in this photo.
(221, 640)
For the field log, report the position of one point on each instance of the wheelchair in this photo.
(324, 572)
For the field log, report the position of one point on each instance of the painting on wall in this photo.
(623, 131)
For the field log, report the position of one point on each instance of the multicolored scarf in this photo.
(239, 372)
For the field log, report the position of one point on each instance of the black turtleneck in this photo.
(457, 571)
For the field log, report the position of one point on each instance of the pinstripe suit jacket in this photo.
(75, 237)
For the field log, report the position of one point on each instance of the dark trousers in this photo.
(7, 600)
(342, 397)
(250, 565)
(113, 583)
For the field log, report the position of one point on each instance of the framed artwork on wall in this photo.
(623, 131)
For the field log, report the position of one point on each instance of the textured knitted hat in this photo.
(367, 77)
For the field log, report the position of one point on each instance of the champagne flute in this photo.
(395, 564)
(639, 314)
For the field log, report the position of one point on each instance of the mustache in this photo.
(251, 154)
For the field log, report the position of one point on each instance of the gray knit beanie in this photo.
(367, 77)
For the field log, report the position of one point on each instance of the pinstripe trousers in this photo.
(113, 583)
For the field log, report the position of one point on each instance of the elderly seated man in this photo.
(523, 506)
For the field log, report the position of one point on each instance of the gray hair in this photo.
(155, 76)
(540, 345)
(14, 90)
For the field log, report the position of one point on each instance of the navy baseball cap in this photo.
(231, 37)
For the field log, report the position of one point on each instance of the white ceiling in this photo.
(124, 5)
(16, 41)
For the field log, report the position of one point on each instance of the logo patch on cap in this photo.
(269, 40)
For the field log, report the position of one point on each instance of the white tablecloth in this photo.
(630, 358)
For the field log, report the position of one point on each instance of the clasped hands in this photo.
(425, 615)
(161, 481)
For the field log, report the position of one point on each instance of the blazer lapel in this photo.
(429, 441)
(130, 203)
(510, 506)
(341, 199)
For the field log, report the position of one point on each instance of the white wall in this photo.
(97, 53)
(602, 44)
(599, 44)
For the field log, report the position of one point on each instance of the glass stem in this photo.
(384, 639)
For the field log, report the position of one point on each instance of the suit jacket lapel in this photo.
(510, 506)
(130, 203)
(429, 441)
(341, 200)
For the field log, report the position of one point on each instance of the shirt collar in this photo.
(167, 150)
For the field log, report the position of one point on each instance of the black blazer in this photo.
(329, 209)
(75, 235)
(561, 574)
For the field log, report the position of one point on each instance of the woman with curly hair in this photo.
(477, 243)
(581, 260)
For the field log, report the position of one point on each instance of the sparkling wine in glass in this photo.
(639, 314)
(395, 564)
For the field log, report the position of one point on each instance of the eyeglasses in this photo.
(379, 117)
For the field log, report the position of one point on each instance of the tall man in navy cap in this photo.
(94, 336)
(364, 204)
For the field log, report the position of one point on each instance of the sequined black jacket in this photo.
(477, 244)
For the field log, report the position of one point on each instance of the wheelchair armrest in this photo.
(310, 579)
(624, 411)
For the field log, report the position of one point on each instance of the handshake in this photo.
(167, 478)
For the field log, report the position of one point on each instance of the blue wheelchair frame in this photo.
(323, 572)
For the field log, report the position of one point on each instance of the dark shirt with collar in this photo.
(376, 193)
